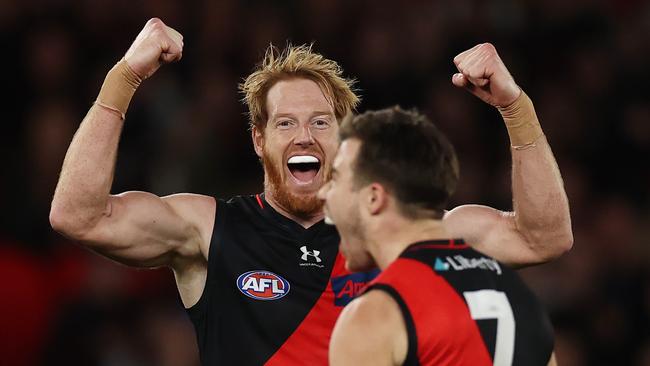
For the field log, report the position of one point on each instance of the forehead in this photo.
(295, 96)
(346, 154)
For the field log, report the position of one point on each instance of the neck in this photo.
(304, 221)
(392, 236)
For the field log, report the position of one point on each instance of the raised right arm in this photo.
(134, 228)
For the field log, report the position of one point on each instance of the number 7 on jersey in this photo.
(491, 304)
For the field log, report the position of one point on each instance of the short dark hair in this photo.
(406, 152)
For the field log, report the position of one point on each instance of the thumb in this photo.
(480, 82)
(465, 82)
(462, 81)
(170, 57)
(459, 80)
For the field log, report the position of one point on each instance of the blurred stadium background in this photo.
(584, 64)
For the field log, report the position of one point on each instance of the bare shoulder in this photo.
(476, 215)
(192, 202)
(474, 222)
(366, 311)
(199, 210)
(370, 331)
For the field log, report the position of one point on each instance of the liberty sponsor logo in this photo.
(347, 287)
(440, 266)
(310, 258)
(262, 285)
(460, 263)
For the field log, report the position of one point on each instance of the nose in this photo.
(304, 136)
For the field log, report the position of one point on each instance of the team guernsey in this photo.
(461, 307)
(273, 290)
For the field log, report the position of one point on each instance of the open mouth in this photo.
(303, 167)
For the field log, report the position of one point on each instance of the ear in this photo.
(376, 199)
(258, 140)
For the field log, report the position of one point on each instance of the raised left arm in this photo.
(539, 228)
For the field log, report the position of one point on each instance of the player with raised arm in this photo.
(263, 272)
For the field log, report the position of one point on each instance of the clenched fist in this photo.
(482, 72)
(157, 44)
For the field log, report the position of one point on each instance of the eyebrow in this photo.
(280, 115)
(314, 114)
(321, 113)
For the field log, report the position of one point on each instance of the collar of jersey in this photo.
(288, 224)
(455, 243)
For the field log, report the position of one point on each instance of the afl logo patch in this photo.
(262, 285)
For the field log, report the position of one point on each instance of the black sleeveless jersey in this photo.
(273, 290)
(461, 307)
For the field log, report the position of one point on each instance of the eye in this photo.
(284, 124)
(321, 123)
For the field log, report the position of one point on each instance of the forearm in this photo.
(82, 193)
(540, 203)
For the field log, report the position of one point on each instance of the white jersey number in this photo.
(491, 304)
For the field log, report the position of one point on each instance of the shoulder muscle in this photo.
(370, 331)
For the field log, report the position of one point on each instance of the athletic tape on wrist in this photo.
(522, 123)
(118, 88)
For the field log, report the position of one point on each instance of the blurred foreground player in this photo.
(437, 301)
(261, 276)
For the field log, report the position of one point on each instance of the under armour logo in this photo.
(313, 253)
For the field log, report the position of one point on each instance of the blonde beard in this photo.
(304, 206)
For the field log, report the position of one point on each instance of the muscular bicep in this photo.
(492, 232)
(142, 229)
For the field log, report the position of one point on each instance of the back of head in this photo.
(296, 62)
(405, 152)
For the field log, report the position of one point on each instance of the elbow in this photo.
(553, 244)
(60, 220)
(562, 243)
(567, 241)
(57, 217)
(66, 222)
